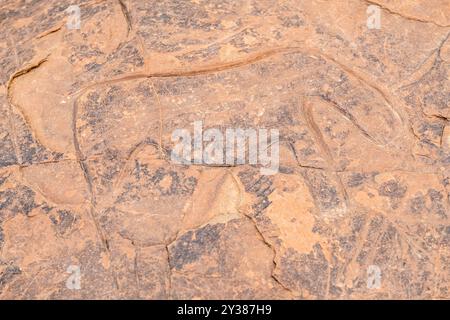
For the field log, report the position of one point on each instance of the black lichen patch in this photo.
(32, 152)
(392, 189)
(357, 223)
(356, 179)
(97, 109)
(177, 14)
(7, 150)
(445, 235)
(106, 169)
(2, 237)
(3, 178)
(7, 273)
(179, 185)
(7, 64)
(323, 189)
(193, 244)
(305, 271)
(430, 131)
(63, 220)
(387, 245)
(261, 186)
(100, 112)
(346, 243)
(161, 182)
(374, 230)
(208, 52)
(308, 151)
(81, 52)
(431, 91)
(20, 199)
(181, 86)
(328, 196)
(285, 115)
(28, 148)
(417, 204)
(129, 54)
(46, 208)
(92, 66)
(293, 21)
(7, 154)
(438, 206)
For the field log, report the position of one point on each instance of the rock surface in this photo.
(86, 179)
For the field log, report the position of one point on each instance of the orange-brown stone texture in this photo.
(93, 207)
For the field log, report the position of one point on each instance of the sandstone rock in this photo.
(359, 207)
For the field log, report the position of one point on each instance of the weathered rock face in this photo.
(92, 206)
